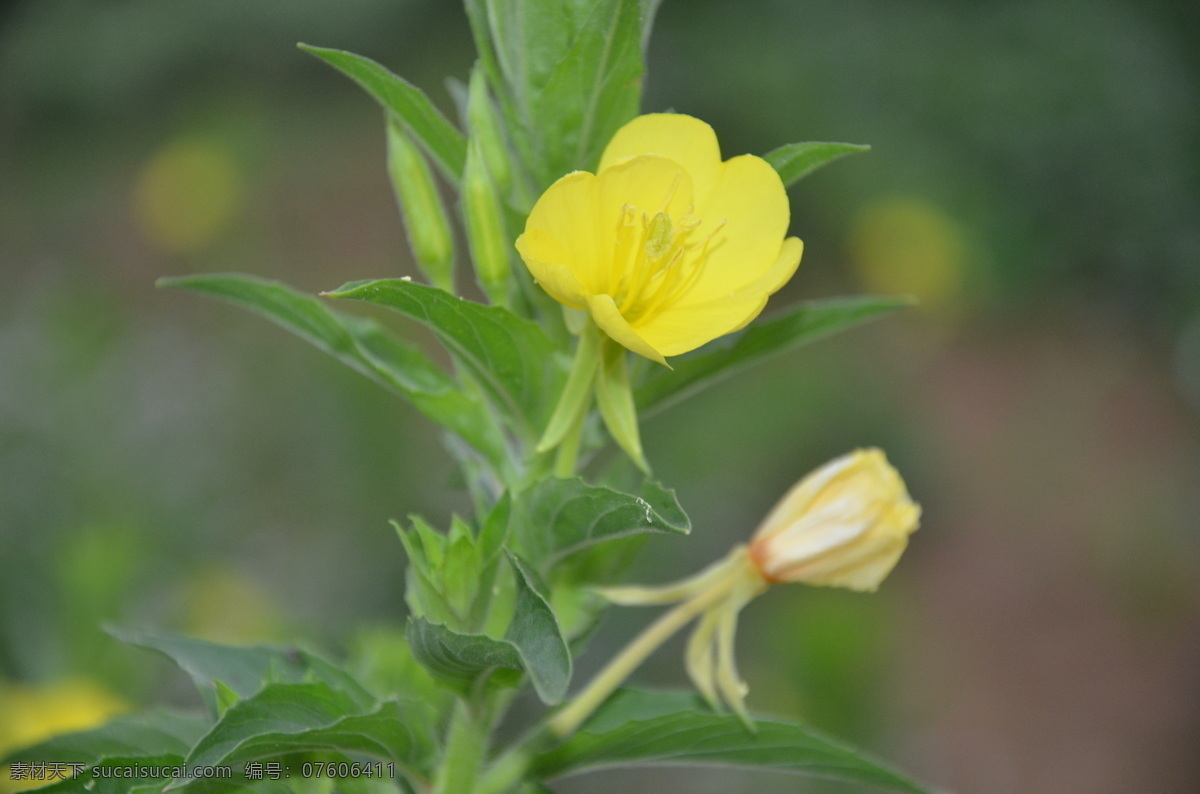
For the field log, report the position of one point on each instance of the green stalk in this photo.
(576, 395)
(566, 721)
(466, 746)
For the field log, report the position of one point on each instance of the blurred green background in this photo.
(1035, 180)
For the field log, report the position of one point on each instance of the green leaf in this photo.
(637, 728)
(533, 643)
(151, 734)
(409, 103)
(558, 517)
(567, 74)
(314, 717)
(244, 670)
(88, 781)
(511, 357)
(363, 346)
(795, 161)
(457, 657)
(593, 90)
(797, 325)
(535, 633)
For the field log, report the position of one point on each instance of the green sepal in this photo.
(614, 398)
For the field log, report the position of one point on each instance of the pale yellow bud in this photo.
(844, 525)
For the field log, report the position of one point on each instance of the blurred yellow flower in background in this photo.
(907, 244)
(667, 247)
(32, 714)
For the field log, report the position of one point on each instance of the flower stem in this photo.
(568, 448)
(624, 663)
(466, 745)
(576, 395)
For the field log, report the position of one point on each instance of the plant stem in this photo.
(624, 663)
(504, 773)
(466, 745)
(575, 400)
(568, 449)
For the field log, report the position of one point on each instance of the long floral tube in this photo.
(844, 525)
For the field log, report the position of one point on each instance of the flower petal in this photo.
(606, 314)
(686, 140)
(677, 330)
(797, 500)
(691, 323)
(567, 214)
(765, 285)
(548, 261)
(750, 200)
(650, 183)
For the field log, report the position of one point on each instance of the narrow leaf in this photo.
(535, 633)
(409, 103)
(558, 517)
(244, 670)
(795, 161)
(593, 90)
(636, 728)
(512, 358)
(293, 718)
(799, 324)
(363, 346)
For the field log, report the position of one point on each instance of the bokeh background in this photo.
(1035, 181)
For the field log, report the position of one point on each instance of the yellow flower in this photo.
(843, 525)
(666, 246)
(31, 714)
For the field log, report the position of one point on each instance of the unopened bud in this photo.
(485, 226)
(421, 208)
(484, 126)
(844, 525)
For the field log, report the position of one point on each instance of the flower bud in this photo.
(483, 124)
(421, 207)
(844, 525)
(485, 225)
